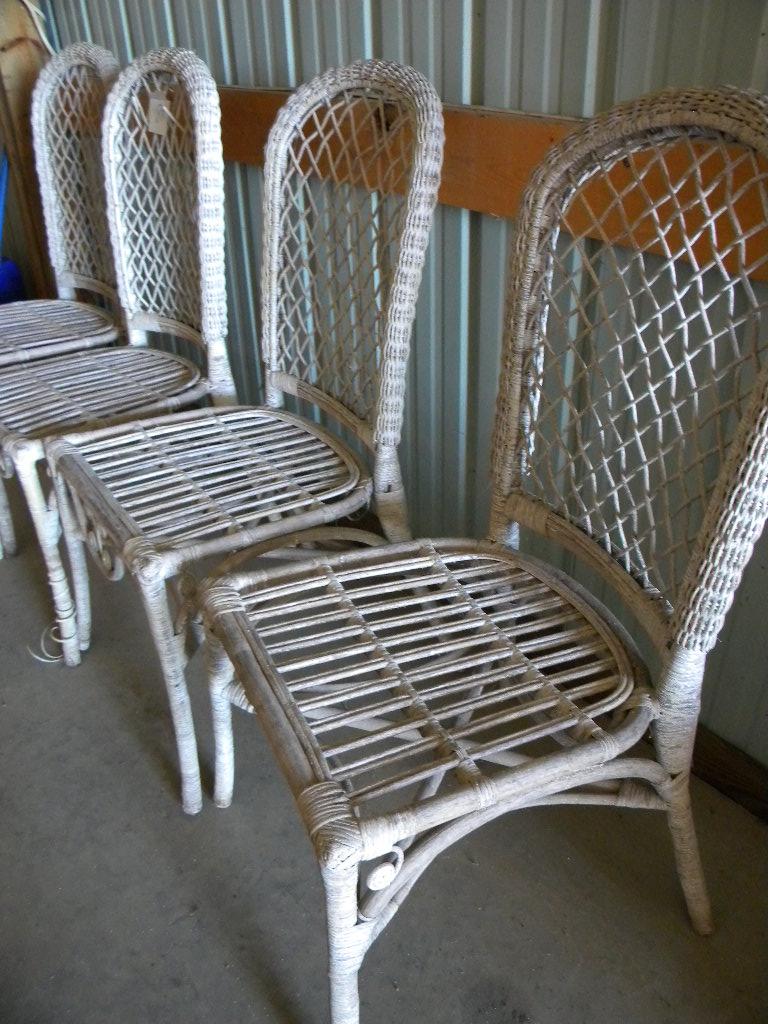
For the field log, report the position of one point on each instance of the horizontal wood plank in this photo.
(491, 154)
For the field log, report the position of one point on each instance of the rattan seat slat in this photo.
(40, 328)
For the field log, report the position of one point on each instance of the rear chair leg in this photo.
(77, 561)
(688, 859)
(219, 678)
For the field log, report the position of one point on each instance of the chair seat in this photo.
(200, 478)
(431, 662)
(90, 388)
(41, 328)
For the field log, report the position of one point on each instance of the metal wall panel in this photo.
(570, 57)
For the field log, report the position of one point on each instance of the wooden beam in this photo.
(731, 771)
(21, 56)
(491, 154)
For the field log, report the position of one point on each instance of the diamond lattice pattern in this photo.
(646, 344)
(156, 186)
(73, 136)
(341, 225)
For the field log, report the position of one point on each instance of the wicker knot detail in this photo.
(222, 599)
(331, 825)
(143, 559)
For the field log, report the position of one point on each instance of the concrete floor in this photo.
(115, 907)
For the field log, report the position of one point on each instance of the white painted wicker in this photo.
(164, 172)
(415, 692)
(67, 103)
(351, 177)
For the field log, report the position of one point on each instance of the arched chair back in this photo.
(165, 192)
(67, 106)
(632, 422)
(351, 176)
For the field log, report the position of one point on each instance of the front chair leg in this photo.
(348, 941)
(155, 598)
(46, 522)
(7, 533)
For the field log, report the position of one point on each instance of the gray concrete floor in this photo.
(116, 907)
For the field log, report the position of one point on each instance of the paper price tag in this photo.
(157, 114)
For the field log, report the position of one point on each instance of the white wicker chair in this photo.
(351, 176)
(67, 103)
(165, 192)
(415, 692)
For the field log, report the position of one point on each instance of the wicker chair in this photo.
(351, 175)
(415, 692)
(164, 180)
(67, 103)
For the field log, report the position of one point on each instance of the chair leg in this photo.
(347, 943)
(688, 859)
(78, 564)
(155, 598)
(7, 533)
(219, 677)
(46, 522)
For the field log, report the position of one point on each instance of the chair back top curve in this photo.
(164, 172)
(351, 175)
(632, 417)
(67, 105)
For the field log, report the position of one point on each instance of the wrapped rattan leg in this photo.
(219, 679)
(153, 592)
(46, 522)
(78, 564)
(687, 857)
(347, 942)
(7, 533)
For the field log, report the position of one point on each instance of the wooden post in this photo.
(22, 54)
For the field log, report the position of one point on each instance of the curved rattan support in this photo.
(164, 172)
(350, 181)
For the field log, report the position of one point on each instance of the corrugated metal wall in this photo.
(570, 57)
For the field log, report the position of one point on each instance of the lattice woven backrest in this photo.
(636, 335)
(351, 176)
(67, 106)
(165, 188)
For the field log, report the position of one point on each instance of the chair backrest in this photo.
(350, 182)
(67, 106)
(632, 420)
(164, 173)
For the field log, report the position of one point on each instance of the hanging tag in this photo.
(157, 114)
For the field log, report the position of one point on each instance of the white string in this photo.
(47, 657)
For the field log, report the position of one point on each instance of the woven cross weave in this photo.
(67, 106)
(413, 693)
(351, 177)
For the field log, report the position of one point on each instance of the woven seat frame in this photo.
(351, 176)
(67, 103)
(413, 693)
